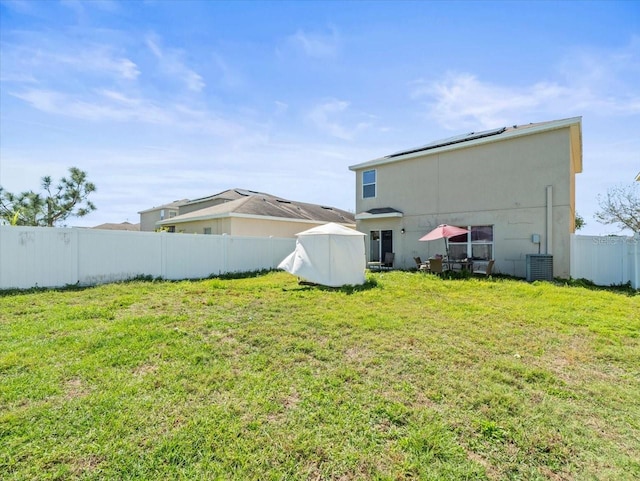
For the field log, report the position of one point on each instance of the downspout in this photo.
(549, 236)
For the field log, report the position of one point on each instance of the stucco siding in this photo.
(148, 221)
(240, 226)
(259, 227)
(217, 226)
(502, 183)
(510, 173)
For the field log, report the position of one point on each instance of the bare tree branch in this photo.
(621, 206)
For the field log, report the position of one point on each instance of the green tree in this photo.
(69, 197)
(621, 206)
(580, 223)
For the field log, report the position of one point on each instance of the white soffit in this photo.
(386, 215)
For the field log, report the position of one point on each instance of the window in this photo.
(368, 184)
(207, 230)
(477, 244)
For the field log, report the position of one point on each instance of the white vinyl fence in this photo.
(55, 257)
(606, 260)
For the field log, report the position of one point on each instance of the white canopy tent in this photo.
(330, 255)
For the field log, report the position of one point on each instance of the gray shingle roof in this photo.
(252, 203)
(122, 226)
(171, 205)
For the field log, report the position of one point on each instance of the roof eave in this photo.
(178, 220)
(239, 215)
(575, 122)
(288, 219)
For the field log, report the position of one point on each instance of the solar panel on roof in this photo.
(451, 140)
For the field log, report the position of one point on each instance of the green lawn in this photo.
(409, 377)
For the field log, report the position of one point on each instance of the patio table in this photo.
(465, 264)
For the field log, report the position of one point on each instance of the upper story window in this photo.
(368, 184)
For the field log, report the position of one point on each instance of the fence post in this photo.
(635, 282)
(225, 253)
(78, 240)
(163, 254)
(572, 256)
(624, 257)
(272, 261)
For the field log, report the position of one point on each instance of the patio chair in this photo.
(388, 261)
(422, 266)
(484, 269)
(436, 265)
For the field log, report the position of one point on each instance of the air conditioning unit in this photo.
(539, 267)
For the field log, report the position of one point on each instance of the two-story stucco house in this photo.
(513, 188)
(150, 217)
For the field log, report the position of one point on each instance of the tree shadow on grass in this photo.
(622, 289)
(36, 289)
(140, 278)
(371, 283)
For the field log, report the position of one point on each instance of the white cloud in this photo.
(316, 45)
(326, 117)
(590, 82)
(81, 9)
(462, 101)
(110, 105)
(229, 77)
(128, 69)
(171, 63)
(99, 59)
(106, 105)
(206, 121)
(281, 107)
(38, 59)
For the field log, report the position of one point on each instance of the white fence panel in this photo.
(192, 256)
(110, 256)
(54, 257)
(281, 248)
(243, 252)
(32, 256)
(606, 260)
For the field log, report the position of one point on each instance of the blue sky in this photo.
(162, 100)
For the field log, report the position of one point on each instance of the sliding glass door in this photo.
(381, 242)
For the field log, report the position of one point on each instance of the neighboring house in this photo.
(150, 217)
(249, 213)
(513, 187)
(122, 226)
